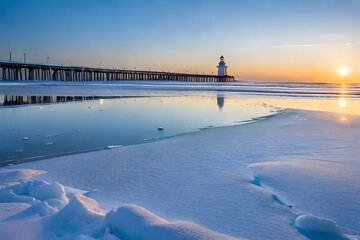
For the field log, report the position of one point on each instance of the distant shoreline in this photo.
(123, 88)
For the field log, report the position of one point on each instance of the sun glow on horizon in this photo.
(342, 102)
(344, 71)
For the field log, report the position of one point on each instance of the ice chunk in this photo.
(113, 146)
(47, 191)
(8, 195)
(34, 192)
(318, 228)
(81, 208)
(41, 209)
(71, 192)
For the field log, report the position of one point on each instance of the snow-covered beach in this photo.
(179, 120)
(289, 176)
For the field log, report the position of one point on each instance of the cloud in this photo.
(301, 45)
(313, 45)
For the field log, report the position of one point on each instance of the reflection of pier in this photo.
(10, 100)
(25, 71)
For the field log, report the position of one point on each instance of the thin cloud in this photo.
(298, 45)
(313, 44)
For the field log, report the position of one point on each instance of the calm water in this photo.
(45, 118)
(35, 126)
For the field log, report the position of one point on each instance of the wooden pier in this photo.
(47, 72)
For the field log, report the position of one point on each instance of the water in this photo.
(42, 119)
(145, 88)
(38, 126)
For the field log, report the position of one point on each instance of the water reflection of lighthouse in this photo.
(220, 101)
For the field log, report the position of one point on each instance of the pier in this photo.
(49, 72)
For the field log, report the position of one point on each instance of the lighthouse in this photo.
(222, 67)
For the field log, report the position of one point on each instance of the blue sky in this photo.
(261, 40)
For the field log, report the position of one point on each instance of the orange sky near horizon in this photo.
(293, 63)
(302, 63)
(297, 63)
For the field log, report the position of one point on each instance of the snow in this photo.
(320, 228)
(49, 214)
(12, 176)
(134, 222)
(11, 208)
(291, 176)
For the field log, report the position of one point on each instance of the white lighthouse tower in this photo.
(222, 67)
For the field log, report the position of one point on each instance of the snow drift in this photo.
(52, 214)
(319, 228)
(134, 222)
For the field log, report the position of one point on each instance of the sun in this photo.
(342, 102)
(344, 71)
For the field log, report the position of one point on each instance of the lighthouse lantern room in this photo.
(222, 67)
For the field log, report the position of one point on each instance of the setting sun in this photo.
(342, 103)
(344, 71)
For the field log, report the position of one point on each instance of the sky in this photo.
(261, 40)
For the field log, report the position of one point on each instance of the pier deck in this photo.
(48, 72)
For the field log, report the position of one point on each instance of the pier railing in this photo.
(48, 72)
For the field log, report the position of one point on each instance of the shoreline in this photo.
(105, 148)
(143, 88)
